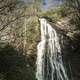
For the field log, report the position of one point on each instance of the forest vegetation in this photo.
(20, 33)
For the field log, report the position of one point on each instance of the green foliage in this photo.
(14, 65)
(74, 12)
(53, 14)
(32, 34)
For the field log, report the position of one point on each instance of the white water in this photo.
(49, 59)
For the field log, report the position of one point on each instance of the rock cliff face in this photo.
(71, 56)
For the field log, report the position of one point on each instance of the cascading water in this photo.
(49, 59)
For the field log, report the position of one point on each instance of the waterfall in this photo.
(49, 60)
